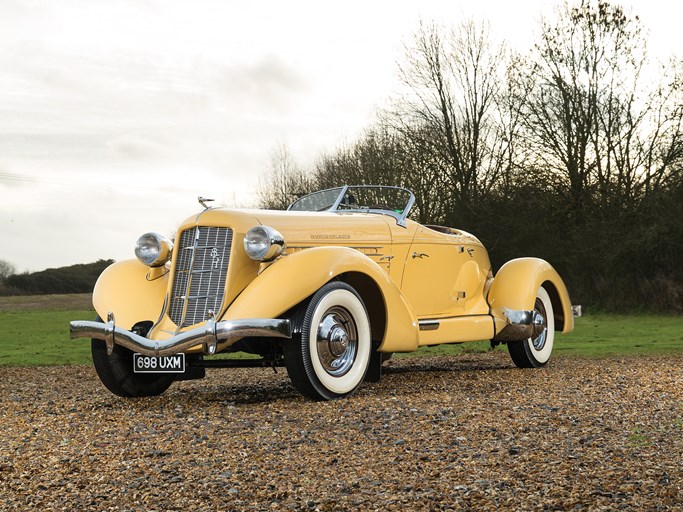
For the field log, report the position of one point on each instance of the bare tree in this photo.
(6, 270)
(453, 80)
(589, 117)
(284, 182)
(341, 167)
(374, 159)
(422, 171)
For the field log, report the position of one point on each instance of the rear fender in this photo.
(515, 287)
(127, 289)
(293, 278)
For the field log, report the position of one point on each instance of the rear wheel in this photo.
(329, 354)
(116, 372)
(535, 351)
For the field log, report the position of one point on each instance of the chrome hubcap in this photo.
(337, 341)
(540, 326)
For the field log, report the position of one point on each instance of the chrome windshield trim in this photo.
(209, 334)
(335, 206)
(402, 220)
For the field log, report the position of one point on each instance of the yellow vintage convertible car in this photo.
(328, 289)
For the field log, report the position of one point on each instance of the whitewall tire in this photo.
(535, 351)
(329, 354)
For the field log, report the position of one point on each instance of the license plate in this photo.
(160, 364)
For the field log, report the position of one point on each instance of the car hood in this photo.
(304, 228)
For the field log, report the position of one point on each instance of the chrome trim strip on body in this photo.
(210, 208)
(429, 325)
(520, 324)
(432, 324)
(209, 334)
(359, 248)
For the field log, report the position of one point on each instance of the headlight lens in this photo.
(263, 243)
(153, 249)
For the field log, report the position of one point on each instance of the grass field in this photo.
(34, 330)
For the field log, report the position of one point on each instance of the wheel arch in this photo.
(294, 278)
(556, 301)
(516, 283)
(371, 295)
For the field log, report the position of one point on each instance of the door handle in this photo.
(420, 255)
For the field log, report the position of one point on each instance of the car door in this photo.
(431, 271)
(445, 273)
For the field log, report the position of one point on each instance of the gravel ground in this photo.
(468, 432)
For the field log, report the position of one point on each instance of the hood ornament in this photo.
(204, 200)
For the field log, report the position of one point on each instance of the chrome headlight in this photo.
(153, 249)
(263, 243)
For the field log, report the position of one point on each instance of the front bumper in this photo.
(208, 335)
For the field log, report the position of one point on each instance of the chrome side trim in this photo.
(429, 325)
(209, 334)
(519, 326)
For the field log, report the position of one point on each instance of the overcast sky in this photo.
(116, 114)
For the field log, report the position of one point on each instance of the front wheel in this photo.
(117, 374)
(329, 354)
(535, 351)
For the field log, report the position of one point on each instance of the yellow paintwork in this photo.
(515, 287)
(123, 288)
(459, 329)
(293, 278)
(445, 274)
(441, 276)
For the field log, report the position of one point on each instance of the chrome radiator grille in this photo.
(201, 270)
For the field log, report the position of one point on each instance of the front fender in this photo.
(125, 289)
(293, 278)
(515, 287)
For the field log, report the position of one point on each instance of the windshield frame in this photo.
(336, 206)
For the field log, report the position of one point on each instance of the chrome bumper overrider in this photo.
(520, 324)
(209, 335)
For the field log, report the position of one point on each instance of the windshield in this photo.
(317, 201)
(392, 201)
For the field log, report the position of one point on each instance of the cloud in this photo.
(133, 147)
(268, 80)
(15, 180)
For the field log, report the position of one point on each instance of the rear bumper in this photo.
(208, 335)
